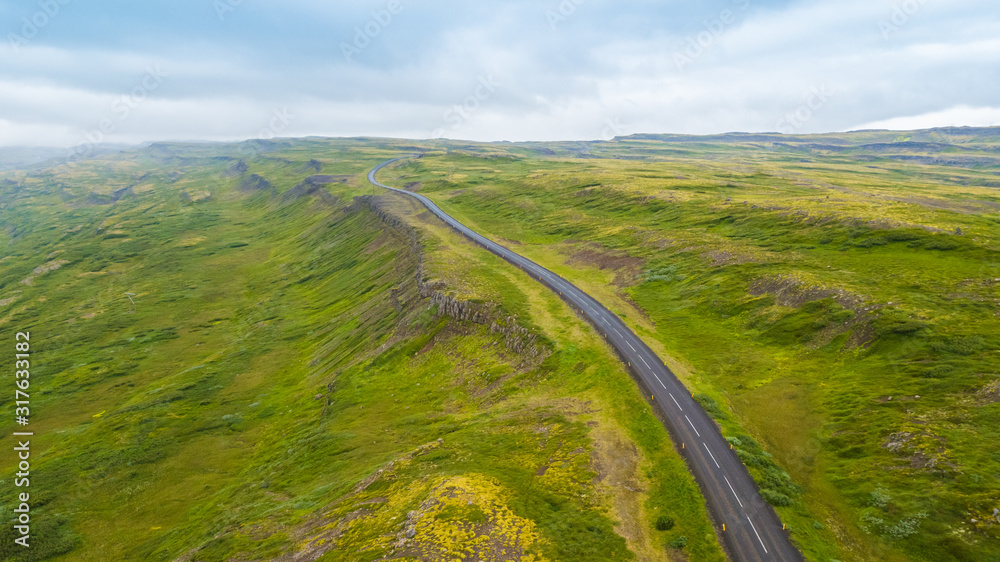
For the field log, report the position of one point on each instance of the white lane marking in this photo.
(646, 364)
(733, 491)
(674, 399)
(617, 332)
(661, 382)
(752, 526)
(630, 345)
(711, 455)
(692, 425)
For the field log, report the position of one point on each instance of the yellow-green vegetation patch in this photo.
(255, 375)
(802, 283)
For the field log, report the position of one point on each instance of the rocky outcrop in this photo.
(516, 337)
(254, 183)
(312, 186)
(237, 169)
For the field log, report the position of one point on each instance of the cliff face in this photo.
(517, 338)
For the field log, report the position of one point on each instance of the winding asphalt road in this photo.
(749, 526)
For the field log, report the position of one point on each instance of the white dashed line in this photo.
(558, 284)
(733, 491)
(711, 455)
(758, 534)
(676, 402)
(692, 425)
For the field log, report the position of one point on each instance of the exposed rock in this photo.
(313, 185)
(517, 338)
(42, 270)
(237, 169)
(254, 183)
(97, 199)
(123, 192)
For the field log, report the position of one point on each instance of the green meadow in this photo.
(229, 362)
(304, 371)
(832, 299)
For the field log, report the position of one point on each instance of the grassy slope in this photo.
(800, 288)
(269, 396)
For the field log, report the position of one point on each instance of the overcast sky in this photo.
(75, 71)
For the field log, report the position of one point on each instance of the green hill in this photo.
(234, 358)
(834, 296)
(238, 353)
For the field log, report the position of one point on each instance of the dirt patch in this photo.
(717, 258)
(919, 450)
(989, 394)
(793, 293)
(507, 242)
(627, 268)
(42, 270)
(862, 335)
(617, 463)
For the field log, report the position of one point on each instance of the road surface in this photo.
(752, 530)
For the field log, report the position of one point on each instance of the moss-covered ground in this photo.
(833, 299)
(276, 386)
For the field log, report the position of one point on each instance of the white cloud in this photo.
(953, 117)
(608, 63)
